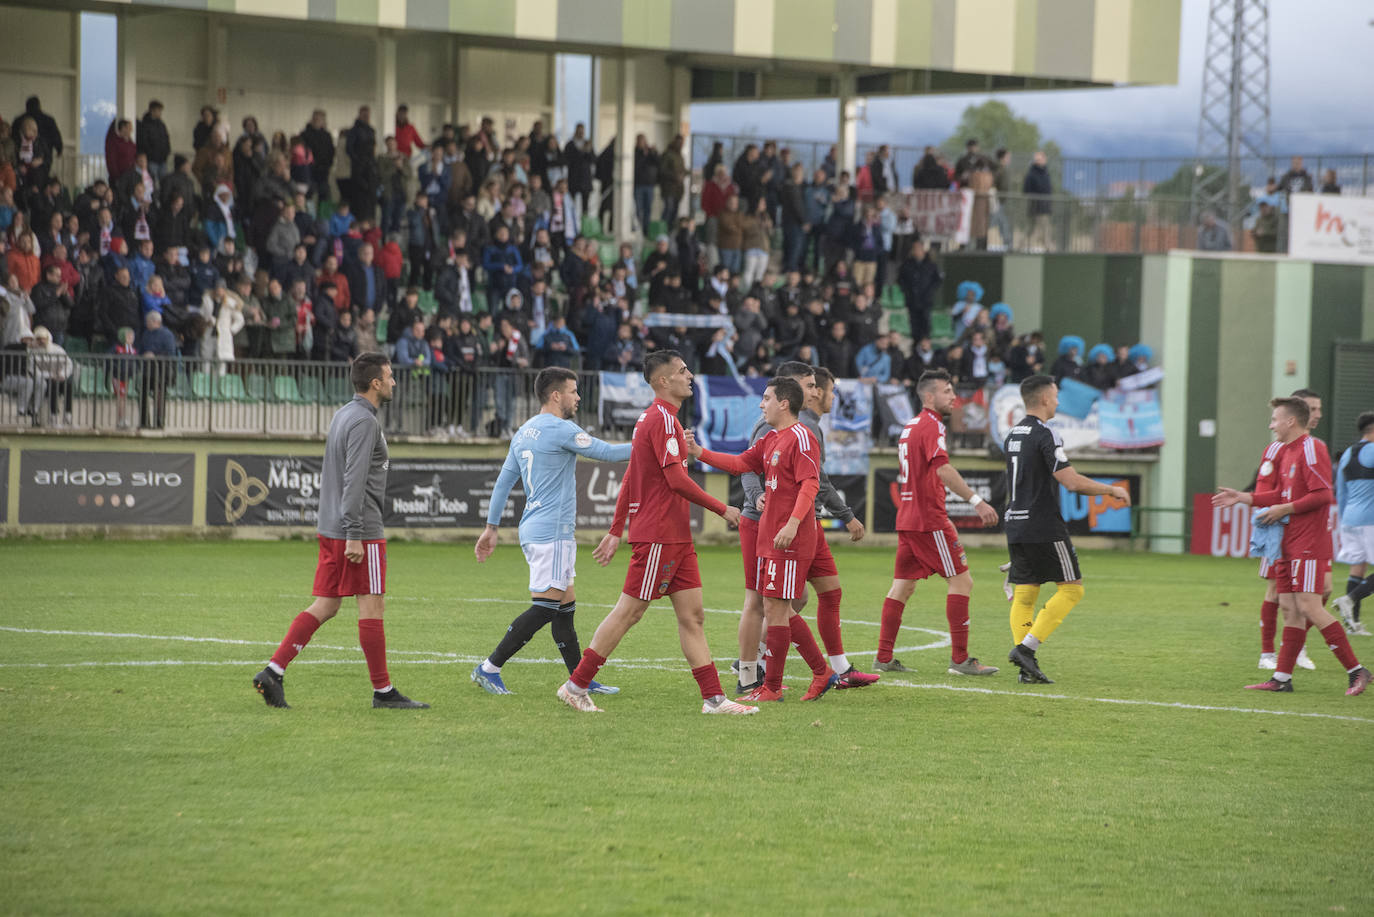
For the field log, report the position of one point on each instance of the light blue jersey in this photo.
(1355, 485)
(543, 455)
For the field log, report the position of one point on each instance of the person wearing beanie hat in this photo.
(1069, 363)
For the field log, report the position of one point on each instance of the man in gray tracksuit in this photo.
(352, 558)
(818, 386)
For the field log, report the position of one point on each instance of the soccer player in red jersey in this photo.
(789, 458)
(1304, 495)
(1267, 479)
(928, 542)
(653, 499)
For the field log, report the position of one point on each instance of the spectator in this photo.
(867, 242)
(1266, 228)
(862, 320)
(424, 235)
(1212, 235)
(1001, 185)
(283, 238)
(407, 137)
(509, 350)
(975, 365)
(343, 340)
(203, 133)
(22, 261)
(1038, 186)
(928, 175)
(626, 353)
(52, 303)
(885, 179)
(153, 141)
(795, 226)
(873, 363)
(1069, 363)
(45, 124)
(1329, 183)
(32, 159)
(120, 149)
(51, 369)
(366, 282)
(320, 142)
(816, 205)
(919, 277)
(757, 234)
(1140, 356)
(330, 274)
(672, 175)
(748, 177)
(730, 235)
(922, 358)
(158, 346)
(645, 179)
(968, 304)
(1296, 179)
(968, 163)
(364, 178)
(836, 351)
(1099, 373)
(1002, 336)
(280, 318)
(394, 174)
(580, 159)
(558, 346)
(322, 319)
(502, 262)
(119, 305)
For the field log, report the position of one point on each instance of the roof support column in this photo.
(847, 135)
(625, 150)
(384, 118)
(126, 67)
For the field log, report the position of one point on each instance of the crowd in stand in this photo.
(466, 251)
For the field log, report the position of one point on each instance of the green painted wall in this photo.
(1204, 333)
(1246, 324)
(1337, 314)
(1072, 298)
(983, 268)
(1122, 281)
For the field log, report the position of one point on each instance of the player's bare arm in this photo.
(353, 551)
(952, 479)
(486, 544)
(854, 526)
(605, 551)
(1081, 484)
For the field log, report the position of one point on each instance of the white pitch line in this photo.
(1174, 705)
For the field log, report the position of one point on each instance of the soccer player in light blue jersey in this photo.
(1355, 505)
(543, 458)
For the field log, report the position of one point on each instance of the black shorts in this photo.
(1034, 563)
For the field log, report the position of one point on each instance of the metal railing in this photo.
(190, 397)
(1076, 175)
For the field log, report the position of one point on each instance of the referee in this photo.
(1037, 538)
(352, 543)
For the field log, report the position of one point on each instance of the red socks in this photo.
(777, 640)
(956, 612)
(586, 670)
(1269, 625)
(805, 642)
(892, 622)
(297, 636)
(372, 638)
(708, 679)
(828, 621)
(1293, 639)
(1339, 643)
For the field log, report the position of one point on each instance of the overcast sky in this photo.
(1321, 85)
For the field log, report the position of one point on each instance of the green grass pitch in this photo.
(142, 774)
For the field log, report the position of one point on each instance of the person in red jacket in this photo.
(120, 149)
(407, 137)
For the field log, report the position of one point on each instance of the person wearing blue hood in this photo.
(1069, 364)
(1139, 357)
(968, 304)
(1100, 373)
(1002, 335)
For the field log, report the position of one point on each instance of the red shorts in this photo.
(783, 577)
(920, 554)
(336, 576)
(1303, 575)
(823, 563)
(749, 550)
(1268, 568)
(657, 570)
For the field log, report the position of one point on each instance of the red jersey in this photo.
(787, 459)
(1268, 476)
(921, 494)
(1304, 479)
(656, 514)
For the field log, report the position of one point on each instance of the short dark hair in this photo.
(1305, 393)
(1364, 422)
(366, 367)
(932, 378)
(794, 369)
(549, 379)
(1032, 386)
(823, 376)
(1295, 406)
(787, 389)
(658, 360)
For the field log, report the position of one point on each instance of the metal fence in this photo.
(1079, 176)
(192, 397)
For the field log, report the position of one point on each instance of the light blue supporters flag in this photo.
(727, 409)
(543, 457)
(623, 397)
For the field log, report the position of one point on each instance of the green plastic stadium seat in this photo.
(608, 252)
(92, 384)
(325, 210)
(898, 321)
(338, 390)
(591, 228)
(657, 228)
(941, 325)
(256, 385)
(77, 345)
(428, 304)
(231, 388)
(284, 389)
(200, 385)
(383, 322)
(312, 389)
(179, 389)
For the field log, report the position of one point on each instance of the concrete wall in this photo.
(40, 54)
